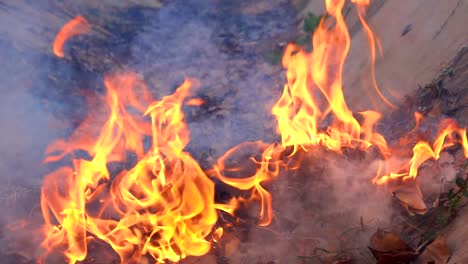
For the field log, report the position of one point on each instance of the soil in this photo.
(225, 45)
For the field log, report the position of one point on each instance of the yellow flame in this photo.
(162, 207)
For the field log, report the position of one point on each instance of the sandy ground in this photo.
(437, 32)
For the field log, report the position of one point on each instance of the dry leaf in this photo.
(389, 248)
(436, 253)
(411, 198)
(387, 241)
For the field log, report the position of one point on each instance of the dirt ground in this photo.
(419, 38)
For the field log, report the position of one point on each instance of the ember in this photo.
(163, 207)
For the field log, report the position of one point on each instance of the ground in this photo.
(231, 48)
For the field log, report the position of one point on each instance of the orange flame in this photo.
(314, 93)
(265, 170)
(162, 207)
(449, 135)
(76, 26)
(315, 77)
(195, 102)
(362, 4)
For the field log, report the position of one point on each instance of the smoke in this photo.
(329, 204)
(26, 128)
(26, 123)
(318, 207)
(325, 211)
(219, 44)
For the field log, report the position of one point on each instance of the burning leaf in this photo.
(389, 248)
(411, 198)
(436, 253)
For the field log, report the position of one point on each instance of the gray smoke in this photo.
(26, 127)
(325, 211)
(220, 45)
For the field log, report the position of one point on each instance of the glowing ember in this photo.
(76, 26)
(163, 206)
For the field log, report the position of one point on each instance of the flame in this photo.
(373, 42)
(77, 26)
(217, 234)
(162, 207)
(267, 169)
(449, 135)
(312, 109)
(314, 92)
(195, 102)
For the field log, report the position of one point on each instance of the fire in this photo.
(373, 42)
(266, 169)
(449, 135)
(314, 93)
(162, 205)
(312, 109)
(77, 26)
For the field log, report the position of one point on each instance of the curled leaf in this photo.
(388, 247)
(410, 196)
(437, 252)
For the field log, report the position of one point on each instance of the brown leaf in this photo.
(387, 241)
(437, 252)
(389, 248)
(411, 198)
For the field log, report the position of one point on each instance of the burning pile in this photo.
(163, 206)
